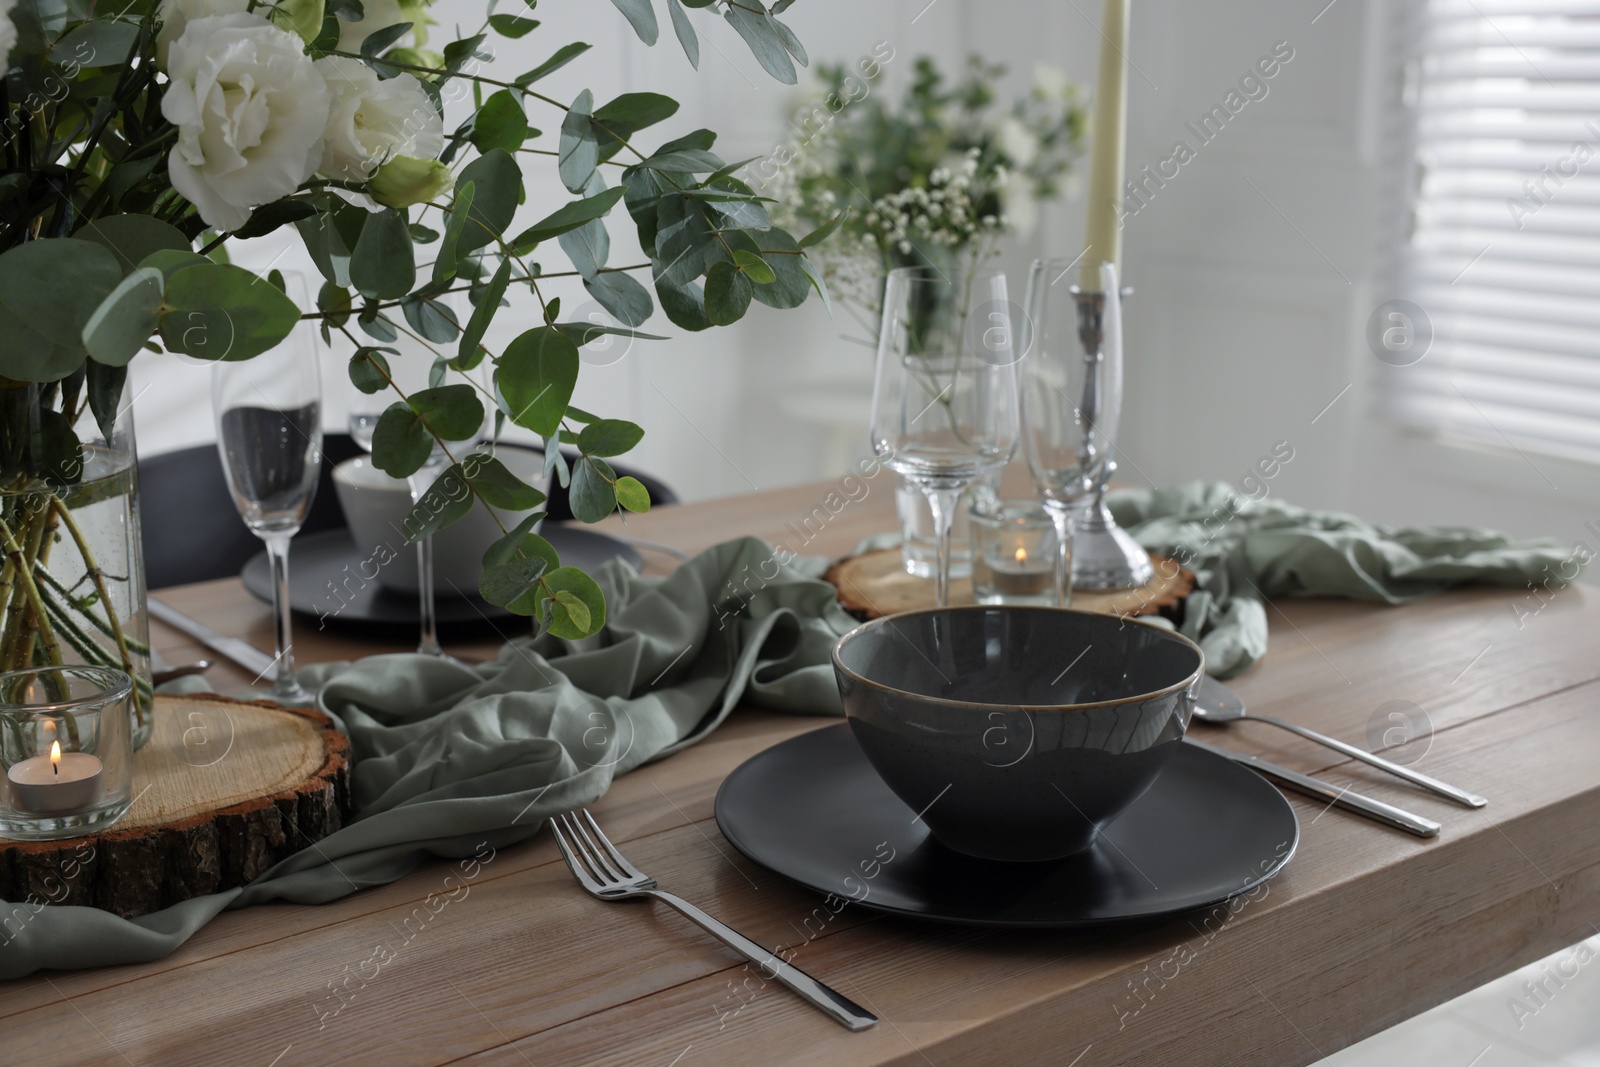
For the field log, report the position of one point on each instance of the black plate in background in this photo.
(320, 558)
(813, 810)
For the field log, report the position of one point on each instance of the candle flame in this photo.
(55, 756)
(1022, 555)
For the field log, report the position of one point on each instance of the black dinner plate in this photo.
(321, 558)
(813, 810)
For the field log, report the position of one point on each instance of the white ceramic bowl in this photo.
(375, 507)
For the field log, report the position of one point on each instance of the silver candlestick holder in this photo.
(1104, 555)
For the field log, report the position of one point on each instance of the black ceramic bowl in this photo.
(1017, 732)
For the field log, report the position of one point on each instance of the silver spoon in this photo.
(1218, 704)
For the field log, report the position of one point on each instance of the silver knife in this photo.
(1339, 798)
(243, 653)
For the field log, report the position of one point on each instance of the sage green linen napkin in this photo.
(448, 757)
(1245, 550)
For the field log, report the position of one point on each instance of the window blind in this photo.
(1497, 138)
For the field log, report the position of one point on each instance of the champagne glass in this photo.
(944, 403)
(1071, 375)
(416, 367)
(269, 432)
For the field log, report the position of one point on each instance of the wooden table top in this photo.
(1366, 927)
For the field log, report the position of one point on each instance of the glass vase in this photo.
(72, 587)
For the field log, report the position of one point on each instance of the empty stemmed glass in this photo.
(944, 405)
(1071, 376)
(269, 432)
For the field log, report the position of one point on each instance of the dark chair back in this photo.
(193, 534)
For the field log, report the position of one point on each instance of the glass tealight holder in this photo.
(66, 751)
(1013, 553)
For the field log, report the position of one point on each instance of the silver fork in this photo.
(603, 871)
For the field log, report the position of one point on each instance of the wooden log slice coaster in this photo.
(876, 583)
(223, 790)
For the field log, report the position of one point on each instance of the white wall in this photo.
(1253, 267)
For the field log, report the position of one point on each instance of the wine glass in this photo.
(1071, 375)
(944, 403)
(269, 432)
(417, 366)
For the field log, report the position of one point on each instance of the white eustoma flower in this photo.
(1051, 83)
(175, 16)
(370, 119)
(1021, 205)
(8, 32)
(1016, 141)
(250, 108)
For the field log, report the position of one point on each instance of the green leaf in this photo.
(457, 53)
(133, 237)
(105, 385)
(791, 286)
(432, 320)
(621, 295)
(700, 140)
(383, 264)
(609, 437)
(101, 43)
(514, 584)
(566, 54)
(587, 247)
(422, 235)
(559, 622)
(127, 317)
(269, 217)
(335, 300)
(815, 278)
(497, 189)
(447, 500)
(500, 122)
(568, 217)
(641, 16)
(685, 31)
(468, 354)
(682, 161)
(218, 311)
(686, 242)
(821, 233)
(591, 496)
(493, 481)
(629, 113)
(754, 267)
(790, 41)
(765, 42)
(513, 26)
(728, 294)
(632, 495)
(401, 444)
(378, 40)
(55, 285)
(577, 613)
(684, 304)
(578, 152)
(28, 356)
(329, 236)
(376, 325)
(452, 412)
(444, 264)
(536, 375)
(583, 333)
(369, 370)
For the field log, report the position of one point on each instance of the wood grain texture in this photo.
(1364, 928)
(876, 583)
(223, 790)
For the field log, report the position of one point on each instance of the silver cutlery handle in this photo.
(1444, 789)
(1344, 798)
(835, 1004)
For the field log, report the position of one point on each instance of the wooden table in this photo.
(1365, 928)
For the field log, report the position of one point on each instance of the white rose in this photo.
(175, 16)
(250, 108)
(370, 119)
(8, 33)
(1016, 141)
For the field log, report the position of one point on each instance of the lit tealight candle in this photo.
(58, 784)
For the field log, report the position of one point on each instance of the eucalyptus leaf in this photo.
(609, 437)
(513, 26)
(217, 311)
(468, 354)
(622, 296)
(684, 304)
(376, 42)
(383, 263)
(568, 217)
(564, 55)
(401, 443)
(754, 267)
(642, 17)
(452, 412)
(821, 233)
(685, 31)
(444, 264)
(591, 496)
(102, 43)
(369, 370)
(335, 300)
(587, 247)
(496, 184)
(105, 385)
(514, 584)
(500, 123)
(632, 495)
(766, 43)
(133, 237)
(578, 152)
(430, 319)
(493, 481)
(728, 294)
(447, 500)
(268, 217)
(686, 242)
(536, 375)
(521, 541)
(561, 623)
(55, 285)
(127, 317)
